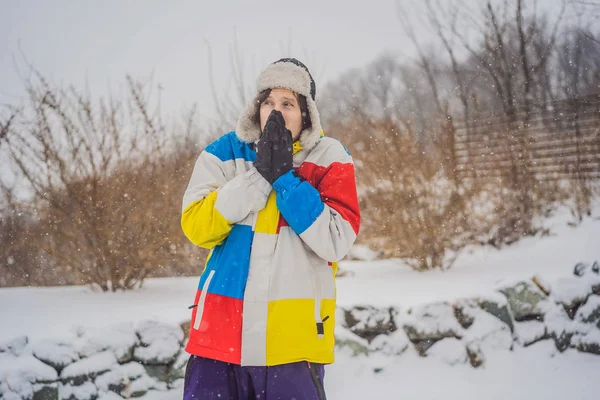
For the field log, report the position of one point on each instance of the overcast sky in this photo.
(99, 42)
(102, 41)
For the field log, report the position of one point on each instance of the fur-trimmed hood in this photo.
(291, 74)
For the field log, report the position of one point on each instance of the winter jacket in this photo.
(267, 293)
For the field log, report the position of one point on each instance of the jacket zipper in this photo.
(200, 309)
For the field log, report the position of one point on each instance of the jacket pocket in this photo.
(202, 300)
(319, 280)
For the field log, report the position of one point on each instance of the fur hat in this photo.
(291, 74)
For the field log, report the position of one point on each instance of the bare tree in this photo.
(514, 56)
(444, 33)
(578, 77)
(237, 91)
(345, 98)
(381, 84)
(578, 64)
(424, 62)
(588, 6)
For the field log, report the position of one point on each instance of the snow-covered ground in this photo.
(536, 372)
(530, 373)
(477, 270)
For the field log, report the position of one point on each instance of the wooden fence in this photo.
(558, 141)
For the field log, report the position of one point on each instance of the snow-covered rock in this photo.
(590, 274)
(570, 289)
(25, 376)
(41, 391)
(424, 325)
(488, 332)
(109, 396)
(560, 327)
(346, 340)
(590, 311)
(142, 385)
(55, 353)
(179, 366)
(119, 377)
(14, 346)
(369, 322)
(451, 351)
(462, 312)
(159, 372)
(475, 355)
(590, 342)
(128, 380)
(120, 339)
(523, 299)
(431, 321)
(497, 305)
(582, 269)
(393, 344)
(571, 292)
(85, 391)
(88, 368)
(160, 343)
(530, 332)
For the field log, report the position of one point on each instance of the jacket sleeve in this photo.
(212, 203)
(327, 217)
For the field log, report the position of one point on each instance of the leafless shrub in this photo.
(411, 208)
(106, 184)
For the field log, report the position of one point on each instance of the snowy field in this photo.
(535, 372)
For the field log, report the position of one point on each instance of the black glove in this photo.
(274, 156)
(263, 158)
(282, 156)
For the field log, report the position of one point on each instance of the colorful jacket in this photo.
(267, 293)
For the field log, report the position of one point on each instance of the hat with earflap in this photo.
(291, 74)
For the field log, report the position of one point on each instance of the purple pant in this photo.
(210, 379)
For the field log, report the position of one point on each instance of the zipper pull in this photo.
(321, 328)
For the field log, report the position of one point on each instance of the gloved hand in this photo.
(274, 156)
(282, 157)
(263, 157)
